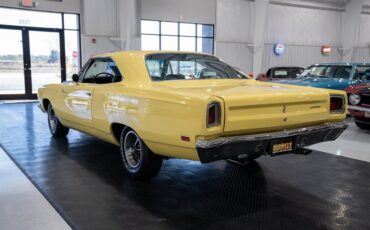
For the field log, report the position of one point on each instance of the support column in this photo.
(260, 24)
(128, 13)
(351, 28)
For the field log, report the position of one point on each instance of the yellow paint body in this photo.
(162, 112)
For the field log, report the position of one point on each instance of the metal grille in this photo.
(365, 99)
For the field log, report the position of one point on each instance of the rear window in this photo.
(328, 71)
(179, 66)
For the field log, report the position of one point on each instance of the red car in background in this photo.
(280, 73)
(359, 104)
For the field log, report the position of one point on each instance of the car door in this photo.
(77, 96)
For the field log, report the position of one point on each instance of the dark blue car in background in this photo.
(332, 75)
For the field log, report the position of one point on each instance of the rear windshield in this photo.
(167, 66)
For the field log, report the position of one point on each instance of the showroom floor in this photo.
(82, 178)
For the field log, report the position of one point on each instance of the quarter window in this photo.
(102, 71)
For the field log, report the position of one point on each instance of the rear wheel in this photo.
(56, 128)
(137, 158)
(362, 125)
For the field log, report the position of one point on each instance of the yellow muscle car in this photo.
(160, 105)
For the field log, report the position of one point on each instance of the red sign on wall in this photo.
(27, 3)
(326, 50)
(74, 54)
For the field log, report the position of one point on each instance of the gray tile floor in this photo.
(353, 143)
(22, 206)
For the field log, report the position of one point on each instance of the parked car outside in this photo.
(359, 104)
(151, 107)
(333, 75)
(279, 73)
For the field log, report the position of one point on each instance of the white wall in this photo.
(100, 17)
(103, 44)
(298, 55)
(234, 31)
(303, 31)
(200, 11)
(100, 22)
(362, 50)
(70, 6)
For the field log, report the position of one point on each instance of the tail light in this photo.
(213, 114)
(336, 104)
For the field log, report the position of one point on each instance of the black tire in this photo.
(362, 125)
(56, 128)
(138, 160)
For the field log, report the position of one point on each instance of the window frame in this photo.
(243, 75)
(89, 63)
(196, 37)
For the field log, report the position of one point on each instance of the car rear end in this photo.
(273, 122)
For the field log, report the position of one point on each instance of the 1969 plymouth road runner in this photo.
(160, 105)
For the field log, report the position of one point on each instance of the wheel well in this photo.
(45, 104)
(117, 130)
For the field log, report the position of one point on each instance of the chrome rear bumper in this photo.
(359, 108)
(232, 147)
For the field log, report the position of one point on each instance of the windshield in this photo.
(328, 71)
(178, 66)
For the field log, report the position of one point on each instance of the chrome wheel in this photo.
(53, 119)
(133, 150)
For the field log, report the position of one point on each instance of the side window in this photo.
(340, 72)
(102, 71)
(295, 72)
(280, 73)
(112, 69)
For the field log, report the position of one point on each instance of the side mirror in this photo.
(75, 78)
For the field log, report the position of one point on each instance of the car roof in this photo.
(342, 63)
(275, 67)
(140, 53)
(132, 65)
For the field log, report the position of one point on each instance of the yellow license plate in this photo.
(282, 147)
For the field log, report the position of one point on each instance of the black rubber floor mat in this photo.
(83, 178)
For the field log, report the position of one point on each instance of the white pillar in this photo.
(351, 28)
(260, 24)
(128, 14)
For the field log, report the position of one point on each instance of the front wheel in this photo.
(56, 128)
(362, 125)
(137, 158)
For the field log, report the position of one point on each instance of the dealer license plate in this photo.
(282, 146)
(367, 114)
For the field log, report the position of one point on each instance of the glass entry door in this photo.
(29, 59)
(45, 58)
(12, 81)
